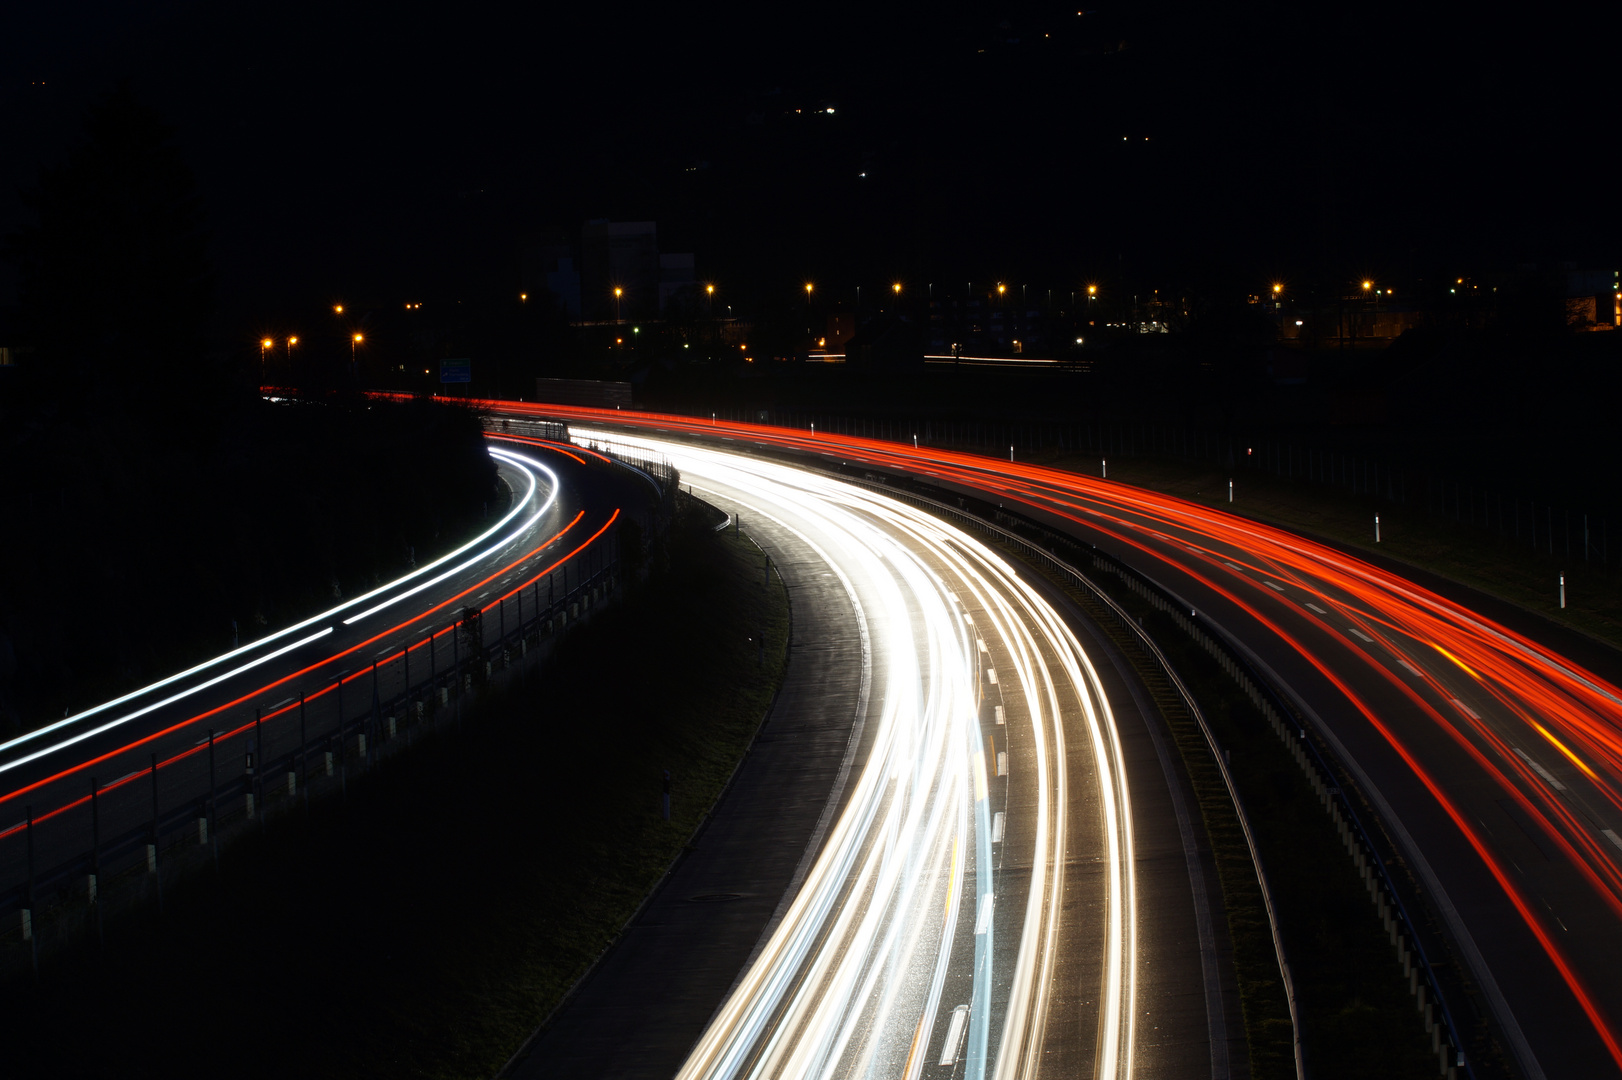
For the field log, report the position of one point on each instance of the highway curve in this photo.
(285, 702)
(1494, 760)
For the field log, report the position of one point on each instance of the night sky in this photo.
(380, 152)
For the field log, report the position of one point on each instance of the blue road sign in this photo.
(455, 371)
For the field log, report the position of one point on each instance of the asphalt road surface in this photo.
(994, 881)
(1495, 759)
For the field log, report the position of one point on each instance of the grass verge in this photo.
(1472, 556)
(425, 927)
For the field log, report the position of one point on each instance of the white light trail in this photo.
(526, 467)
(849, 981)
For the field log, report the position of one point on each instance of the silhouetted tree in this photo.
(114, 282)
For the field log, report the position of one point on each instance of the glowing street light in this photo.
(896, 288)
(709, 299)
(354, 341)
(264, 347)
(618, 292)
(337, 309)
(290, 343)
(1092, 291)
(523, 298)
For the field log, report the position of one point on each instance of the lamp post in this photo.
(618, 292)
(264, 348)
(709, 299)
(808, 309)
(290, 343)
(353, 341)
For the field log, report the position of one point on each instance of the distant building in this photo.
(675, 279)
(1593, 299)
(552, 267)
(624, 255)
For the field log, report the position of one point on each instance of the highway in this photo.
(268, 718)
(1495, 761)
(926, 936)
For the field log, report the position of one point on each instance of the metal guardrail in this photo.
(133, 859)
(1319, 765)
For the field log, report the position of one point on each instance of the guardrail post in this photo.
(95, 854)
(372, 722)
(253, 772)
(213, 804)
(28, 912)
(153, 862)
(303, 750)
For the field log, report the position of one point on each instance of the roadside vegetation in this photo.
(425, 926)
(1471, 556)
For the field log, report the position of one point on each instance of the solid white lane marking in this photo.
(1472, 714)
(997, 826)
(1541, 771)
(1275, 586)
(1355, 632)
(1000, 718)
(1314, 607)
(954, 1035)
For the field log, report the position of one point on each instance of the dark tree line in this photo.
(153, 507)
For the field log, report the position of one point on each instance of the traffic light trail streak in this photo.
(1534, 727)
(911, 909)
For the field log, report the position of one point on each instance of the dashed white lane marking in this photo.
(1541, 771)
(1275, 586)
(1610, 834)
(997, 822)
(991, 675)
(982, 645)
(1314, 607)
(1411, 669)
(1355, 632)
(1000, 719)
(1002, 763)
(1472, 714)
(1236, 566)
(954, 1035)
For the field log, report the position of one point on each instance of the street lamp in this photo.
(337, 309)
(354, 341)
(264, 347)
(290, 343)
(896, 288)
(618, 292)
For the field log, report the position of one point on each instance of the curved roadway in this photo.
(284, 696)
(1497, 762)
